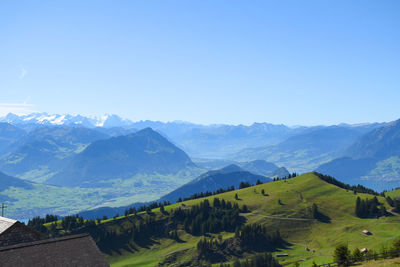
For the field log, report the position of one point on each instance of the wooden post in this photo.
(2, 209)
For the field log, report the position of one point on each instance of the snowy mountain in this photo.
(46, 119)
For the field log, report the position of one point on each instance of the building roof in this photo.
(74, 250)
(6, 223)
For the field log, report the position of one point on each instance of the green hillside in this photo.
(285, 205)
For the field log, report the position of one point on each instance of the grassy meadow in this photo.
(285, 206)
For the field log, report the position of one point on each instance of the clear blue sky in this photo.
(292, 62)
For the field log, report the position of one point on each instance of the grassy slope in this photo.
(382, 263)
(394, 193)
(296, 195)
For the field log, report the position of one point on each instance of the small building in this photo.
(74, 250)
(363, 250)
(366, 232)
(13, 232)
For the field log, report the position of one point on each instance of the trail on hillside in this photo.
(304, 219)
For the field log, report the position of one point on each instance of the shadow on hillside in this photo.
(146, 242)
(323, 218)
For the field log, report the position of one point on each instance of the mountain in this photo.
(373, 160)
(45, 150)
(8, 135)
(306, 151)
(280, 172)
(260, 167)
(142, 152)
(7, 181)
(46, 119)
(115, 131)
(214, 180)
(382, 142)
(218, 141)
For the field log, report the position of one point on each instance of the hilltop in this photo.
(286, 205)
(211, 181)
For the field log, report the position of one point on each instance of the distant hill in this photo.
(116, 131)
(260, 167)
(8, 135)
(220, 177)
(214, 180)
(45, 150)
(219, 141)
(306, 151)
(145, 152)
(280, 172)
(7, 181)
(380, 143)
(373, 160)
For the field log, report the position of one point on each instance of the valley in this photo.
(103, 173)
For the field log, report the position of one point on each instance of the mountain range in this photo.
(373, 160)
(45, 150)
(114, 162)
(46, 119)
(306, 151)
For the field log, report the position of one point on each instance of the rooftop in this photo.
(74, 250)
(6, 223)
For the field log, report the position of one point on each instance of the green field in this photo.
(23, 203)
(291, 217)
(285, 206)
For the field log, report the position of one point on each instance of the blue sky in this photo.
(291, 62)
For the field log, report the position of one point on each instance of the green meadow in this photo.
(285, 205)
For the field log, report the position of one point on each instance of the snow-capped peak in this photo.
(67, 119)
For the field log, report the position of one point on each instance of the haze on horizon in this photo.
(295, 63)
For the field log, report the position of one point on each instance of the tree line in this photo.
(369, 208)
(260, 260)
(290, 176)
(344, 257)
(247, 238)
(197, 220)
(207, 194)
(393, 203)
(204, 218)
(355, 188)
